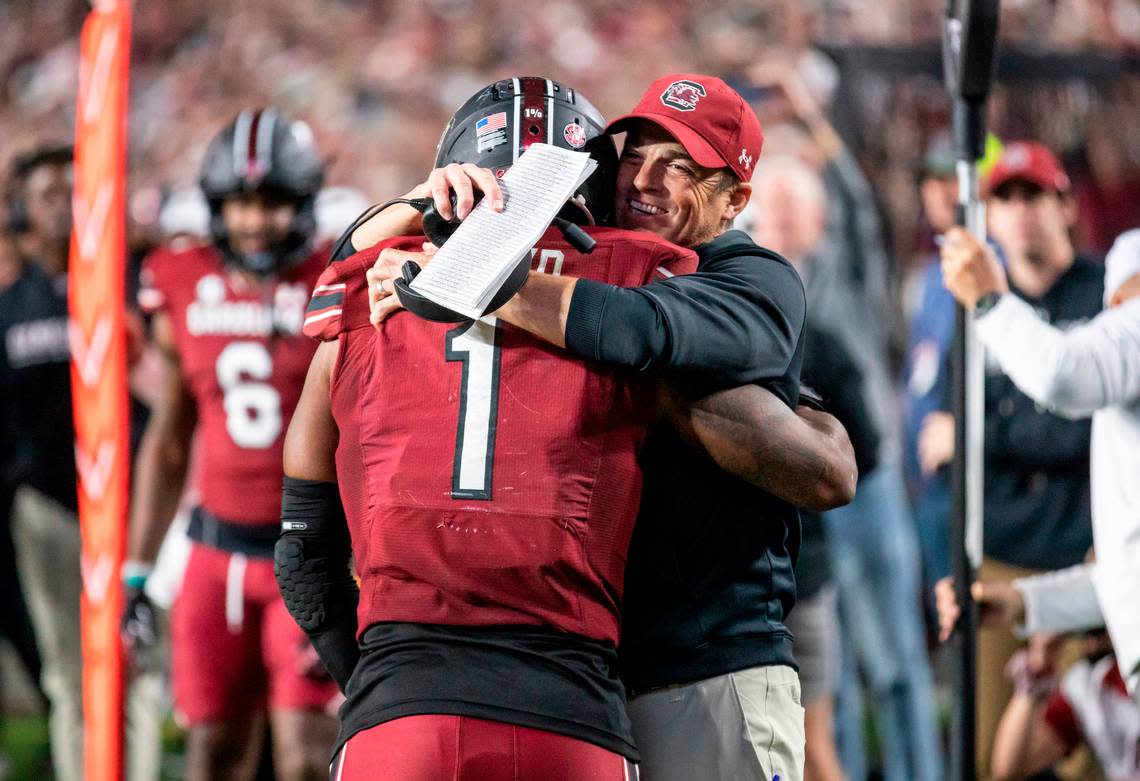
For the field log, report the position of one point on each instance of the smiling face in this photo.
(661, 190)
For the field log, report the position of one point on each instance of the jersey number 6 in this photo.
(253, 409)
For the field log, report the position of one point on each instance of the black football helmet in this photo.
(501, 120)
(262, 152)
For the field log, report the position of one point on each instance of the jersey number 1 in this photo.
(476, 346)
(253, 409)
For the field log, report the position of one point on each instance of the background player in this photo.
(227, 319)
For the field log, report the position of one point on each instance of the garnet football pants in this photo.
(234, 646)
(461, 748)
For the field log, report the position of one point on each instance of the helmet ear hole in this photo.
(535, 130)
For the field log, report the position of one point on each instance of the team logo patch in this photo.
(210, 289)
(683, 95)
(575, 135)
(1016, 156)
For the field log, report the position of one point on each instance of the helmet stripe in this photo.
(549, 111)
(241, 142)
(265, 141)
(533, 101)
(251, 161)
(518, 119)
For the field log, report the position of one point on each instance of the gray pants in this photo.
(737, 727)
(46, 536)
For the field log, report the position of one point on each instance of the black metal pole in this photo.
(964, 640)
(969, 42)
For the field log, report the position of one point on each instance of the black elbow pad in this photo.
(311, 564)
(310, 559)
(305, 581)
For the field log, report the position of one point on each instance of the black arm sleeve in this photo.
(311, 563)
(738, 319)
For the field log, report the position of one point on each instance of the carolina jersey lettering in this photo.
(488, 477)
(244, 360)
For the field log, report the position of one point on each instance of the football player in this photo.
(227, 318)
(490, 487)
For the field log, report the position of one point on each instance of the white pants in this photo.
(737, 727)
(46, 537)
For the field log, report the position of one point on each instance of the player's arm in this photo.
(803, 457)
(160, 475)
(1027, 741)
(164, 452)
(312, 556)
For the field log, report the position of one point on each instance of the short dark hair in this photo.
(24, 165)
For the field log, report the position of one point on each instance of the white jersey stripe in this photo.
(329, 288)
(665, 272)
(322, 316)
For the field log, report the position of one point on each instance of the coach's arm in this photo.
(311, 558)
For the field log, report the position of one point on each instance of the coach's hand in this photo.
(139, 630)
(464, 179)
(382, 300)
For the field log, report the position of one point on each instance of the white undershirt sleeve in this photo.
(1060, 601)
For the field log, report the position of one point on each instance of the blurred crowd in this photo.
(855, 185)
(370, 77)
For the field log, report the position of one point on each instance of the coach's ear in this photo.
(738, 198)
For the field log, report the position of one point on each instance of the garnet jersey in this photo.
(244, 361)
(1092, 706)
(488, 478)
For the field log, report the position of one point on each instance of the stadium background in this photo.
(376, 80)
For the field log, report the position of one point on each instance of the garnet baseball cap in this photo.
(716, 126)
(1028, 161)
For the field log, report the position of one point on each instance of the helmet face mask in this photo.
(258, 226)
(261, 153)
(500, 121)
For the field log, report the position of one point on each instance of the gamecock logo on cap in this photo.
(683, 95)
(1016, 156)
